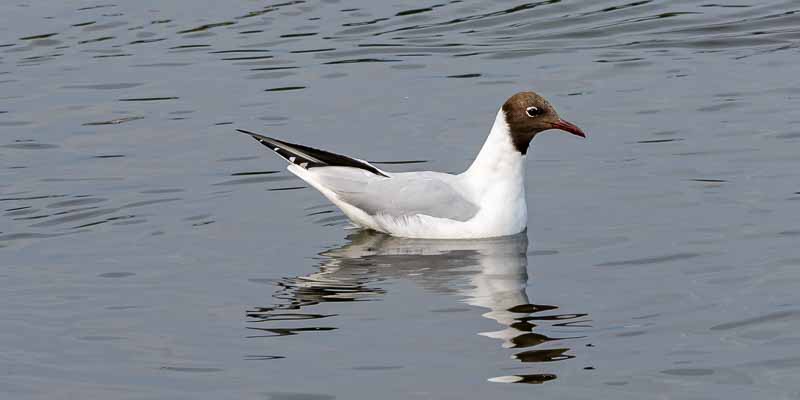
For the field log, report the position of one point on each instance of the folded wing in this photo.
(402, 194)
(362, 185)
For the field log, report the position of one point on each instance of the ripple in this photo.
(160, 191)
(465, 76)
(115, 121)
(284, 88)
(95, 7)
(143, 41)
(764, 319)
(104, 86)
(27, 235)
(206, 27)
(100, 338)
(239, 51)
(106, 26)
(650, 260)
(361, 60)
(245, 158)
(15, 123)
(116, 274)
(149, 98)
(254, 173)
(659, 141)
(29, 145)
(76, 202)
(294, 35)
(99, 39)
(192, 369)
(254, 179)
(377, 367)
(706, 180)
(47, 196)
(40, 36)
(247, 58)
(271, 75)
(190, 46)
(272, 68)
(114, 55)
(688, 371)
(297, 396)
(414, 11)
(322, 50)
(162, 64)
(280, 332)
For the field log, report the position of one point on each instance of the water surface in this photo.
(149, 251)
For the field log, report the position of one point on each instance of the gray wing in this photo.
(401, 194)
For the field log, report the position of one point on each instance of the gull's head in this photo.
(527, 114)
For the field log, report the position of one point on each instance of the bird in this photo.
(487, 200)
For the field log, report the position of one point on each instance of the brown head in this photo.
(527, 114)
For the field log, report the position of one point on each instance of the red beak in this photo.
(569, 127)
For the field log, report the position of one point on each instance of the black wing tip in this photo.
(253, 134)
(256, 136)
(285, 150)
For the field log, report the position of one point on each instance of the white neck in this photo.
(496, 183)
(498, 159)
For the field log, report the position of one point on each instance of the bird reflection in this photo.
(487, 273)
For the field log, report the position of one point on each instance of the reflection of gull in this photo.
(489, 273)
(500, 287)
(495, 267)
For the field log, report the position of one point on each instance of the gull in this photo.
(487, 200)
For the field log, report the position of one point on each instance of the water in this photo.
(149, 251)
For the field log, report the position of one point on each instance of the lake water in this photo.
(147, 251)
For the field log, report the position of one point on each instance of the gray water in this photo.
(148, 251)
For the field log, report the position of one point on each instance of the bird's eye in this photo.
(533, 111)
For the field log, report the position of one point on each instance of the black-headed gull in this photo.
(486, 200)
